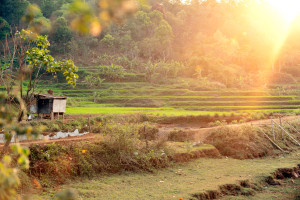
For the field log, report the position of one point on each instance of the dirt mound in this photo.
(245, 187)
(284, 173)
(241, 142)
(230, 189)
(271, 181)
(211, 194)
(181, 135)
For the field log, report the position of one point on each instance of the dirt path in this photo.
(201, 133)
(87, 137)
(164, 130)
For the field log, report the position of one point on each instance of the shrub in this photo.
(124, 142)
(257, 116)
(180, 135)
(111, 72)
(234, 122)
(148, 132)
(239, 142)
(292, 70)
(218, 123)
(93, 81)
(280, 78)
(204, 84)
(55, 128)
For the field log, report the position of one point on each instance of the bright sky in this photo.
(289, 9)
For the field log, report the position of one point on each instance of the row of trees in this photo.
(235, 37)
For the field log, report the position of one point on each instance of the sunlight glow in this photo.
(289, 9)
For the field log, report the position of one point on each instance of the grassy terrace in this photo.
(176, 99)
(124, 110)
(194, 177)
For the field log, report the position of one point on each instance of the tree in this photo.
(142, 23)
(42, 24)
(13, 11)
(49, 6)
(108, 41)
(163, 37)
(4, 29)
(156, 17)
(31, 51)
(128, 45)
(61, 35)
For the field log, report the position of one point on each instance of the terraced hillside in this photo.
(129, 97)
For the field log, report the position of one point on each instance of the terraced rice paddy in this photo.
(131, 97)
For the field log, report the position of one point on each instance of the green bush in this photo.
(4, 29)
(111, 72)
(93, 81)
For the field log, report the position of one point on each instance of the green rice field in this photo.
(176, 99)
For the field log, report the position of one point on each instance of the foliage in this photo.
(60, 33)
(34, 60)
(282, 78)
(294, 70)
(93, 81)
(163, 33)
(148, 132)
(39, 56)
(108, 41)
(122, 148)
(111, 72)
(240, 142)
(12, 11)
(42, 25)
(8, 170)
(4, 29)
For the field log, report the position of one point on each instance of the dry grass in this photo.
(179, 182)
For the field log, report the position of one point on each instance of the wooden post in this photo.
(89, 123)
(273, 129)
(280, 125)
(146, 137)
(52, 116)
(292, 127)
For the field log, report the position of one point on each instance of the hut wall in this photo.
(45, 106)
(59, 105)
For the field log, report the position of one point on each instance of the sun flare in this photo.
(289, 9)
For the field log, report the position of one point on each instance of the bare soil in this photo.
(200, 134)
(87, 137)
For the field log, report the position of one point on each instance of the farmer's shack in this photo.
(49, 105)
